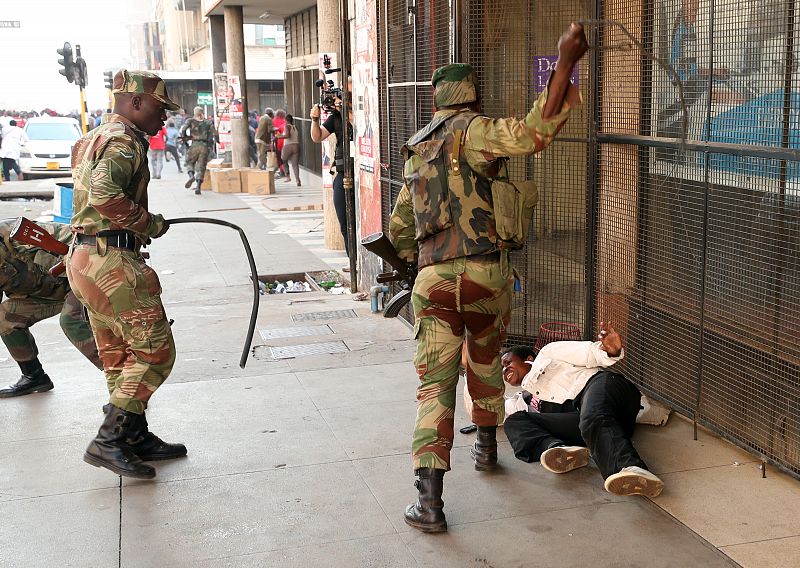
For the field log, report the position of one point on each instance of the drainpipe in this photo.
(373, 297)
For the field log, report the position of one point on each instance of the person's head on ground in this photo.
(141, 97)
(455, 86)
(513, 362)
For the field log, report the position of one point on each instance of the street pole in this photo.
(81, 82)
(349, 194)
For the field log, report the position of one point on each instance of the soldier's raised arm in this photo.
(500, 137)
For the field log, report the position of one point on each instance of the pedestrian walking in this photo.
(108, 274)
(264, 137)
(291, 149)
(278, 124)
(172, 144)
(13, 139)
(158, 145)
(453, 173)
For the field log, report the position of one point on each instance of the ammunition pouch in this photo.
(514, 203)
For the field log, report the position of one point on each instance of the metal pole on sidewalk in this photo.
(349, 195)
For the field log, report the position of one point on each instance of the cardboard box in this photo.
(218, 163)
(206, 186)
(226, 180)
(258, 182)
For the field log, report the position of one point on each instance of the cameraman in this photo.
(333, 125)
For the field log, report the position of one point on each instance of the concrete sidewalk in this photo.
(305, 461)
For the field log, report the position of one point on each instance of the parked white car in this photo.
(50, 146)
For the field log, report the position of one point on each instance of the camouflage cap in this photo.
(454, 84)
(143, 82)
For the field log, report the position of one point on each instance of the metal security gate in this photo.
(415, 39)
(698, 212)
(512, 45)
(670, 203)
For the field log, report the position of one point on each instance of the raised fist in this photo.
(572, 45)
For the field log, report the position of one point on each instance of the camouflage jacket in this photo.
(451, 191)
(264, 130)
(109, 168)
(202, 131)
(24, 268)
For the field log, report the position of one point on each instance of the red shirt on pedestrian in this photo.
(159, 141)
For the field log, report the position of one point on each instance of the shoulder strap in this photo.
(455, 157)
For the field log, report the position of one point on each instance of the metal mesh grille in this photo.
(511, 45)
(697, 243)
(414, 47)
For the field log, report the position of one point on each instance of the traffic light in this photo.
(66, 62)
(108, 78)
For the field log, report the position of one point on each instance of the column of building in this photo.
(329, 37)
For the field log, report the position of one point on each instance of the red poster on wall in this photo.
(365, 105)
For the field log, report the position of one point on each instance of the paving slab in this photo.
(54, 414)
(75, 530)
(515, 489)
(208, 518)
(363, 385)
(623, 535)
(377, 552)
(732, 504)
(772, 553)
(687, 453)
(241, 425)
(52, 466)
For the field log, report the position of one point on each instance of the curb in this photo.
(315, 207)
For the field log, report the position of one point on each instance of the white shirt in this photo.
(562, 369)
(14, 138)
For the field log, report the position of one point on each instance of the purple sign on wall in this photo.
(543, 65)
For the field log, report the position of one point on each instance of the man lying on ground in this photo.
(578, 407)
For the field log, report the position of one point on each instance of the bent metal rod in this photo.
(253, 274)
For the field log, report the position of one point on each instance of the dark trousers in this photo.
(173, 151)
(601, 417)
(340, 204)
(8, 165)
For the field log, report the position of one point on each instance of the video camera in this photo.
(328, 92)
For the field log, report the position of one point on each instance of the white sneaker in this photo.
(562, 459)
(634, 480)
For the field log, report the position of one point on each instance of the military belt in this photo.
(118, 239)
(494, 256)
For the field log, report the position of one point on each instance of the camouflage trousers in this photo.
(197, 159)
(123, 297)
(18, 314)
(465, 299)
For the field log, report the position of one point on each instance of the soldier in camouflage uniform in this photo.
(463, 289)
(202, 134)
(33, 295)
(110, 277)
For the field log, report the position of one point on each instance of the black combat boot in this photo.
(426, 514)
(190, 181)
(484, 451)
(110, 448)
(197, 189)
(149, 447)
(33, 379)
